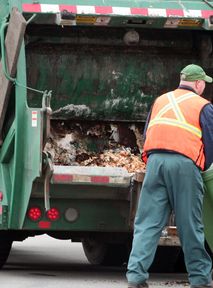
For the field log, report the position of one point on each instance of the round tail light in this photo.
(34, 213)
(71, 214)
(53, 214)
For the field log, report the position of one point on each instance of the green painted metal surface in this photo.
(20, 165)
(208, 205)
(208, 214)
(93, 215)
(4, 9)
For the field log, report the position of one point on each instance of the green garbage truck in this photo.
(77, 81)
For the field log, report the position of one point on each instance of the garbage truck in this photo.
(77, 82)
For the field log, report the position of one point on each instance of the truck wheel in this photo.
(105, 254)
(5, 247)
(167, 260)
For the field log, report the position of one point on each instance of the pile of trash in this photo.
(123, 158)
(95, 145)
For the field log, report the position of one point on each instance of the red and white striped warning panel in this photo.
(34, 118)
(111, 10)
(106, 176)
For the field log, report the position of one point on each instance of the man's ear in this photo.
(197, 82)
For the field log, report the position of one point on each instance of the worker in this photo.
(178, 146)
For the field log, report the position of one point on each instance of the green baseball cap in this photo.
(194, 72)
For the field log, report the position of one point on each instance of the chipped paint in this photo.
(72, 111)
(116, 75)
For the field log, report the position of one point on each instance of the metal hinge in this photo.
(47, 172)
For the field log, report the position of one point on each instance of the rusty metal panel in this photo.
(13, 41)
(95, 75)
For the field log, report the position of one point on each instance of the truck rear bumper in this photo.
(107, 176)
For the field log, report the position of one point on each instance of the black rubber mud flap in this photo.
(5, 247)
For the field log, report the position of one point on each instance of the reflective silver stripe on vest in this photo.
(180, 120)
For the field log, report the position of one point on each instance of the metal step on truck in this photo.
(77, 81)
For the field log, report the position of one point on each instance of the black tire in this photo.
(168, 259)
(180, 266)
(105, 254)
(5, 247)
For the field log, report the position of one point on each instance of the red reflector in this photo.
(103, 9)
(139, 11)
(1, 196)
(72, 9)
(53, 214)
(31, 7)
(44, 224)
(62, 178)
(34, 213)
(100, 179)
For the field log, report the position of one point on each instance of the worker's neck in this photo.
(187, 86)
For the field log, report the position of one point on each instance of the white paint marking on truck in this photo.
(81, 9)
(192, 13)
(121, 10)
(48, 8)
(157, 12)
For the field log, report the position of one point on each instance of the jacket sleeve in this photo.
(206, 122)
(144, 154)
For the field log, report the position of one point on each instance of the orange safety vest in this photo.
(175, 125)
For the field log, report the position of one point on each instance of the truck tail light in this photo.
(34, 213)
(53, 214)
(71, 214)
